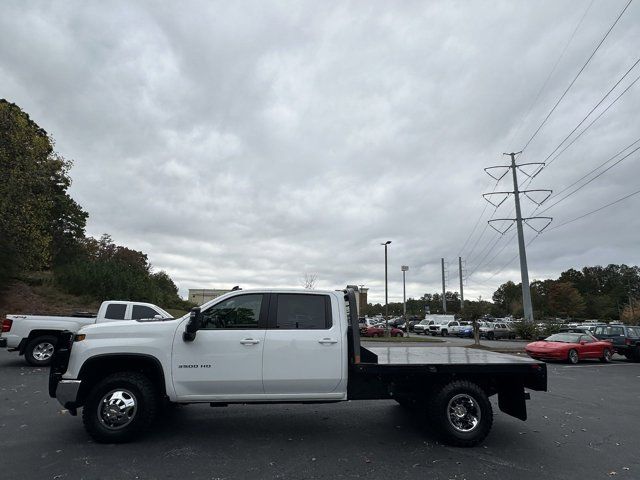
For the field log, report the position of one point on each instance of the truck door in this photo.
(303, 350)
(225, 359)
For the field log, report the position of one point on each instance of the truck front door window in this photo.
(241, 312)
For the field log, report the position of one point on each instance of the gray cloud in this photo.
(249, 143)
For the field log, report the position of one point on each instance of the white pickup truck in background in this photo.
(34, 336)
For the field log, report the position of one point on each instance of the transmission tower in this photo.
(538, 224)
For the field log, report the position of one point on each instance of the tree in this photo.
(565, 300)
(38, 219)
(309, 281)
(631, 313)
(509, 298)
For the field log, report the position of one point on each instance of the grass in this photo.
(401, 339)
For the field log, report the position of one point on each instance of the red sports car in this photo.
(571, 347)
(379, 332)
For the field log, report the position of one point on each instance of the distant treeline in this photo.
(605, 293)
(43, 228)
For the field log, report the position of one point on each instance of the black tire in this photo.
(606, 356)
(444, 333)
(40, 350)
(137, 387)
(457, 430)
(573, 357)
(490, 336)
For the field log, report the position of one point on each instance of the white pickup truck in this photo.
(276, 346)
(34, 336)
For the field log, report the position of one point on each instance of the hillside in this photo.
(36, 294)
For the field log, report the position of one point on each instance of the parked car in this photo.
(423, 326)
(465, 331)
(571, 347)
(35, 336)
(445, 328)
(625, 339)
(496, 331)
(379, 332)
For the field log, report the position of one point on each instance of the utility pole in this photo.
(524, 270)
(404, 269)
(461, 291)
(386, 290)
(444, 299)
(519, 220)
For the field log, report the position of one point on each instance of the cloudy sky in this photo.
(246, 143)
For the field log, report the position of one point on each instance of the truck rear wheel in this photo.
(40, 350)
(462, 413)
(120, 407)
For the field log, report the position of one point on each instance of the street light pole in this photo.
(404, 269)
(386, 290)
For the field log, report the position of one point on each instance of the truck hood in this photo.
(127, 327)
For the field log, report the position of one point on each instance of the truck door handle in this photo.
(327, 341)
(249, 341)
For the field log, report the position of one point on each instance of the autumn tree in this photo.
(565, 300)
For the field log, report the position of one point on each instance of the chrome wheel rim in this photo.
(117, 409)
(463, 413)
(573, 356)
(43, 351)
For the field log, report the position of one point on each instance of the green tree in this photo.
(38, 219)
(509, 298)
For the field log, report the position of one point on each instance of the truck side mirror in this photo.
(193, 325)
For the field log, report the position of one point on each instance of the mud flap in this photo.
(512, 401)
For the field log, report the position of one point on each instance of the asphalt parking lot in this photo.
(587, 426)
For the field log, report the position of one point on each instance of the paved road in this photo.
(585, 427)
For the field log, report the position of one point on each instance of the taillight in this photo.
(6, 325)
(627, 341)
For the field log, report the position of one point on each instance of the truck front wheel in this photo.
(40, 350)
(461, 413)
(120, 407)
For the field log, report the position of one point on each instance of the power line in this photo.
(513, 259)
(590, 172)
(582, 132)
(596, 210)
(475, 226)
(591, 180)
(592, 122)
(553, 69)
(485, 255)
(594, 108)
(469, 255)
(577, 76)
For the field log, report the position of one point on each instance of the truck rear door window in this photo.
(140, 311)
(303, 312)
(115, 311)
